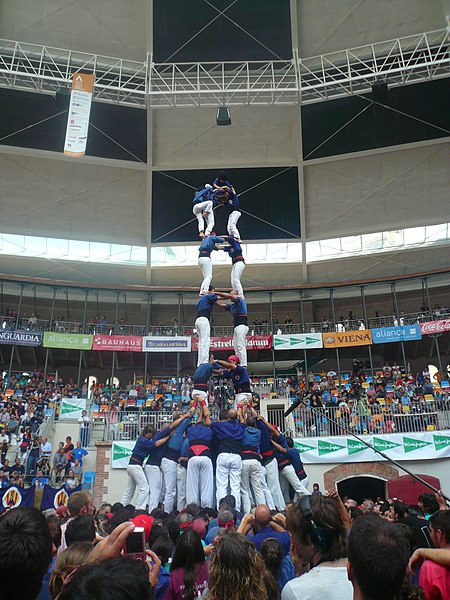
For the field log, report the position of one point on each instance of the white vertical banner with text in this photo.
(78, 116)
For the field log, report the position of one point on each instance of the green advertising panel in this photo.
(68, 341)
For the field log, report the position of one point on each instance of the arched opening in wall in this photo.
(113, 381)
(90, 381)
(360, 488)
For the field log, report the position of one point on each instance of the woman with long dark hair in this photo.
(188, 571)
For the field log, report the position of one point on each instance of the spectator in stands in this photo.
(46, 448)
(84, 422)
(237, 571)
(18, 467)
(60, 463)
(39, 481)
(378, 557)
(25, 553)
(78, 453)
(319, 538)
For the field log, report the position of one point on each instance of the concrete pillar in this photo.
(102, 468)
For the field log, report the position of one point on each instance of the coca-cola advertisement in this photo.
(225, 344)
(435, 326)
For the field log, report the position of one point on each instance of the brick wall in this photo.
(347, 470)
(102, 468)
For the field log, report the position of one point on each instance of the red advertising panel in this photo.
(435, 326)
(225, 344)
(117, 343)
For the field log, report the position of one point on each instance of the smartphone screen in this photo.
(135, 544)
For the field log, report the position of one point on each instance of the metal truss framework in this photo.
(145, 84)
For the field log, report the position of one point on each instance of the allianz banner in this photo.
(435, 326)
(423, 445)
(297, 341)
(21, 338)
(402, 333)
(69, 341)
(225, 344)
(121, 452)
(117, 343)
(166, 344)
(347, 339)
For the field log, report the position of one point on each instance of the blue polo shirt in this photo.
(239, 377)
(267, 532)
(234, 251)
(238, 310)
(229, 435)
(203, 374)
(205, 305)
(208, 245)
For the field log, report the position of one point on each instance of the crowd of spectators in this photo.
(319, 547)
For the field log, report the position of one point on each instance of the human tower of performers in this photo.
(198, 460)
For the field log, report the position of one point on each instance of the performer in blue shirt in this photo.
(205, 306)
(201, 378)
(234, 251)
(203, 210)
(199, 481)
(286, 457)
(238, 310)
(230, 202)
(207, 246)
(239, 376)
(149, 440)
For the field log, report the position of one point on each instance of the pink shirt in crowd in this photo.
(176, 589)
(434, 579)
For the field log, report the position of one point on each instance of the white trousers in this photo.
(289, 477)
(136, 479)
(273, 483)
(250, 476)
(228, 472)
(232, 224)
(205, 264)
(236, 271)
(203, 327)
(267, 493)
(199, 482)
(153, 475)
(181, 487)
(169, 471)
(204, 210)
(239, 339)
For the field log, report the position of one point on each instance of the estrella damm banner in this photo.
(347, 339)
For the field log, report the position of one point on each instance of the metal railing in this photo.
(126, 425)
(264, 328)
(372, 419)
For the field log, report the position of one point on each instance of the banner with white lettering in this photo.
(225, 343)
(166, 344)
(117, 343)
(21, 338)
(297, 341)
(435, 326)
(423, 445)
(78, 116)
(401, 333)
(121, 452)
(71, 408)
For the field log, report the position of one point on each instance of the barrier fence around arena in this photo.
(256, 328)
(357, 417)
